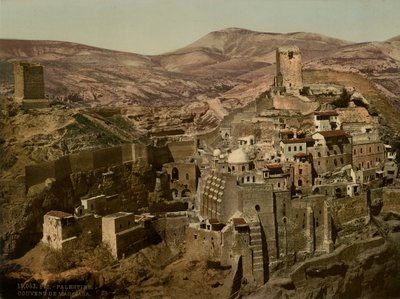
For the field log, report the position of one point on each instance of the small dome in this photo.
(216, 152)
(238, 156)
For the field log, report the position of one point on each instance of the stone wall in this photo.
(349, 208)
(84, 161)
(202, 244)
(391, 200)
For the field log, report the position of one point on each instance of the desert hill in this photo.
(232, 64)
(206, 69)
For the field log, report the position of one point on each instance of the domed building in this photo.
(238, 161)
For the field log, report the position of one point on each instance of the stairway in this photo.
(256, 247)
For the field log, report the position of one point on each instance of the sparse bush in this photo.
(344, 99)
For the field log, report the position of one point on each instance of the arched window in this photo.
(257, 207)
(175, 174)
(299, 183)
(187, 176)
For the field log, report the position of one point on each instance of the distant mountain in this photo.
(233, 65)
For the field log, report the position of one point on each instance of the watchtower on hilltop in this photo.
(29, 85)
(288, 69)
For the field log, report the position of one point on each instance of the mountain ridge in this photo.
(212, 67)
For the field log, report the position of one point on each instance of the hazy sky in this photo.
(157, 26)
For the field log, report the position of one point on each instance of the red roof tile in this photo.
(213, 221)
(335, 133)
(239, 221)
(326, 113)
(298, 140)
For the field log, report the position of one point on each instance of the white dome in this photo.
(216, 152)
(238, 156)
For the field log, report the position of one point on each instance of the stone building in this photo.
(277, 176)
(29, 85)
(126, 233)
(56, 229)
(257, 222)
(368, 151)
(61, 229)
(331, 151)
(183, 178)
(288, 69)
(291, 147)
(302, 174)
(325, 120)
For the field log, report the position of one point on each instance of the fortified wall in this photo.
(86, 161)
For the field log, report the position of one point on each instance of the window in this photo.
(243, 168)
(299, 183)
(289, 148)
(279, 185)
(341, 160)
(187, 176)
(248, 179)
(369, 149)
(233, 168)
(295, 148)
(300, 148)
(300, 171)
(319, 154)
(257, 207)
(195, 237)
(360, 150)
(354, 152)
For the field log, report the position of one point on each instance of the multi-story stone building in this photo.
(331, 151)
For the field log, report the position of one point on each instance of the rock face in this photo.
(373, 273)
(23, 219)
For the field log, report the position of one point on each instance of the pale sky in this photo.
(158, 26)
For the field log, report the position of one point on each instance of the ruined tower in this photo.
(288, 68)
(29, 85)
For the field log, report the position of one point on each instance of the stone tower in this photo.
(29, 85)
(288, 68)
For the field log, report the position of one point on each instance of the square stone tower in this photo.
(288, 68)
(29, 85)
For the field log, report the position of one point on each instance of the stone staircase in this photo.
(256, 247)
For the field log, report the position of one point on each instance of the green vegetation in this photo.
(344, 99)
(85, 126)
